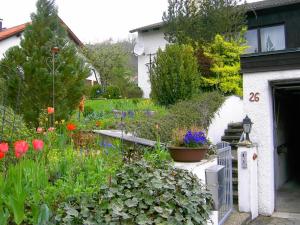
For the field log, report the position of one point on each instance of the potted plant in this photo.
(188, 145)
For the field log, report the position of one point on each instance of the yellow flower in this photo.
(62, 121)
(56, 122)
(46, 119)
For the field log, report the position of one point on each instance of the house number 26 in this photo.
(254, 97)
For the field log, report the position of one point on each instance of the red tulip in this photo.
(38, 144)
(2, 155)
(4, 147)
(21, 147)
(50, 110)
(39, 130)
(71, 126)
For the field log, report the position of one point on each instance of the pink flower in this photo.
(39, 130)
(4, 147)
(50, 110)
(38, 144)
(21, 147)
(50, 129)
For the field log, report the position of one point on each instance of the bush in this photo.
(96, 91)
(198, 111)
(13, 127)
(174, 75)
(142, 194)
(133, 91)
(112, 92)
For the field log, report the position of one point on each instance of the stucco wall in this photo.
(7, 43)
(261, 113)
(230, 111)
(152, 41)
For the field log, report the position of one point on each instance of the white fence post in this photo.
(247, 179)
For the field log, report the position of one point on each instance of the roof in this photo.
(266, 4)
(148, 27)
(9, 32)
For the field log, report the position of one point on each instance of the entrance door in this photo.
(286, 104)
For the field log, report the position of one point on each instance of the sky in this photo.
(92, 20)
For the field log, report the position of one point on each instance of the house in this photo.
(271, 90)
(271, 78)
(10, 37)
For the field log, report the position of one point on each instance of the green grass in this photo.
(107, 105)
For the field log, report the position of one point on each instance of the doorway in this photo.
(286, 105)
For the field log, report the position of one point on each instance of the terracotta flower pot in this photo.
(186, 154)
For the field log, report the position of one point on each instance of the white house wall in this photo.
(7, 43)
(261, 113)
(152, 41)
(230, 112)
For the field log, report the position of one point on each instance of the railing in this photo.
(226, 203)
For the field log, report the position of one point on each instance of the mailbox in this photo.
(215, 182)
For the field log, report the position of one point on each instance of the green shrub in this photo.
(13, 127)
(133, 91)
(96, 91)
(198, 111)
(112, 92)
(142, 194)
(174, 75)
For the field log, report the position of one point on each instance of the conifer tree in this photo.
(32, 61)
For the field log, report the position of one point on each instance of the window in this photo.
(265, 39)
(252, 42)
(272, 38)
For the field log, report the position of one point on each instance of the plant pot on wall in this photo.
(186, 154)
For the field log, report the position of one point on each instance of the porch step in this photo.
(232, 135)
(235, 183)
(235, 197)
(235, 125)
(233, 131)
(230, 139)
(234, 172)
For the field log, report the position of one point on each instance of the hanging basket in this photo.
(186, 154)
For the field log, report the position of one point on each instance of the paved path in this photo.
(274, 221)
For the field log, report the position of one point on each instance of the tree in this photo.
(32, 57)
(174, 75)
(199, 21)
(116, 64)
(225, 72)
(112, 60)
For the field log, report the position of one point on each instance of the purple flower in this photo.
(194, 139)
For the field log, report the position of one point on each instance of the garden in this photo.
(54, 168)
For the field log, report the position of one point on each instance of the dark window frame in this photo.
(258, 28)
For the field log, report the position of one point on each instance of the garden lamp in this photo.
(247, 125)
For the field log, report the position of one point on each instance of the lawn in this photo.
(107, 105)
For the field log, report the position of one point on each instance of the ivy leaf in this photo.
(131, 202)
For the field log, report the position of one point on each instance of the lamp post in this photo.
(247, 126)
(54, 51)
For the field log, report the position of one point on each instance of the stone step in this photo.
(235, 125)
(235, 197)
(233, 131)
(234, 172)
(231, 139)
(235, 183)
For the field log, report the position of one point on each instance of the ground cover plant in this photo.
(142, 194)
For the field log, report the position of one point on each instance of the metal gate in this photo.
(226, 201)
